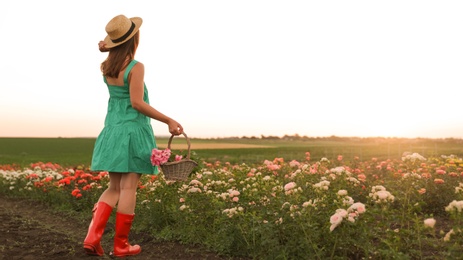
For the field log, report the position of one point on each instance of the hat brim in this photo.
(137, 21)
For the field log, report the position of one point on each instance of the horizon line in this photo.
(248, 137)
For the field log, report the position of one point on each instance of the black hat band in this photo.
(127, 34)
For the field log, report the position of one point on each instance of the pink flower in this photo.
(426, 175)
(234, 193)
(290, 186)
(358, 207)
(273, 167)
(441, 172)
(159, 157)
(336, 219)
(362, 177)
(342, 212)
(294, 163)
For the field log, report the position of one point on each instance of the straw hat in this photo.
(120, 29)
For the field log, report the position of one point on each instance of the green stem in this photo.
(334, 247)
(309, 240)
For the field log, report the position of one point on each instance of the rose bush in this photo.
(276, 209)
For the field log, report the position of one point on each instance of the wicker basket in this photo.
(179, 170)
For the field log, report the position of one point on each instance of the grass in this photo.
(78, 151)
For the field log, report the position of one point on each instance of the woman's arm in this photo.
(136, 82)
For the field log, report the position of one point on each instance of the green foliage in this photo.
(282, 208)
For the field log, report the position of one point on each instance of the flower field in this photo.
(405, 208)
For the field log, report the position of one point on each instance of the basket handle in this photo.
(187, 141)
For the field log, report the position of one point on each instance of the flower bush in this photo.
(330, 208)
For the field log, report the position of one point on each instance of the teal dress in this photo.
(127, 139)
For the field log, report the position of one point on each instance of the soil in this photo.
(32, 231)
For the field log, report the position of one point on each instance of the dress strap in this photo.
(127, 71)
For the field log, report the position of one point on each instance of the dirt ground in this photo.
(31, 231)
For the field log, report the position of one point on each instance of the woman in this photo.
(124, 146)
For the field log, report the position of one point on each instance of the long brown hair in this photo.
(116, 60)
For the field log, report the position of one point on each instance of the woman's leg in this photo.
(111, 195)
(128, 193)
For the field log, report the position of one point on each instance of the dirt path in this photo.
(31, 231)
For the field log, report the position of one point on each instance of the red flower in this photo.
(76, 193)
(38, 184)
(48, 179)
(32, 176)
(65, 181)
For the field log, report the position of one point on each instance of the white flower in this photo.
(323, 185)
(347, 200)
(430, 222)
(455, 206)
(196, 183)
(412, 157)
(459, 189)
(377, 188)
(194, 190)
(448, 235)
(311, 203)
(338, 170)
(381, 195)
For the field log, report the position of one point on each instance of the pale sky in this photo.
(241, 68)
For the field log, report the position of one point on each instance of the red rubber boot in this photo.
(101, 213)
(122, 247)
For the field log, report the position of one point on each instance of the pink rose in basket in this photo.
(159, 157)
(178, 157)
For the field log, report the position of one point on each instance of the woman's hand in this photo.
(175, 128)
(101, 46)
